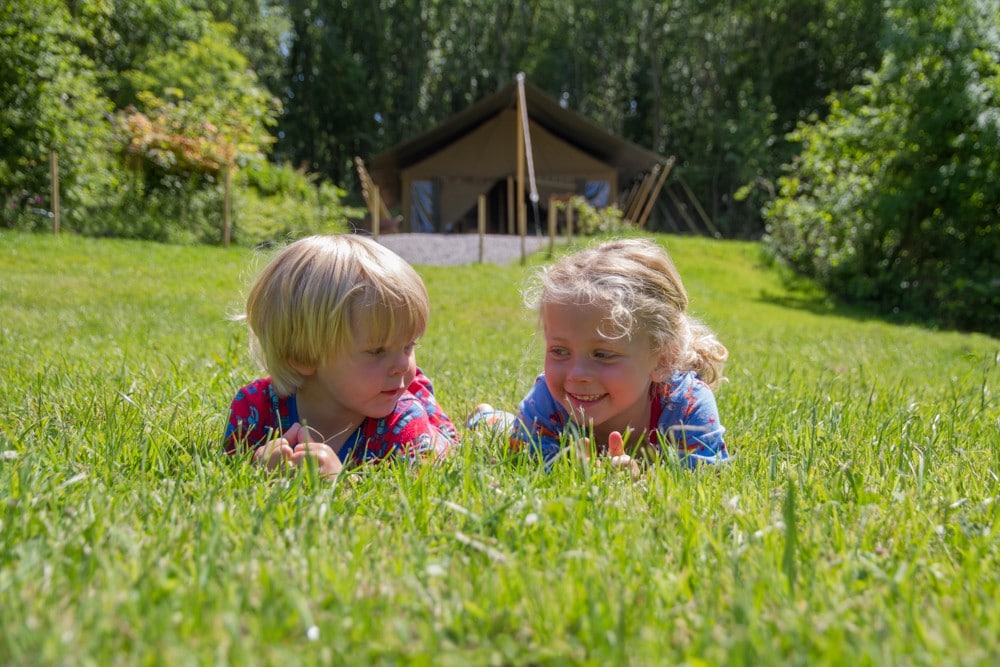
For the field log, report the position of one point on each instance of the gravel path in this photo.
(458, 249)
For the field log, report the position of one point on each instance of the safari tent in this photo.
(436, 178)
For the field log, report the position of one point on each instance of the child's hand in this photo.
(619, 459)
(616, 449)
(327, 462)
(275, 453)
(307, 443)
(293, 447)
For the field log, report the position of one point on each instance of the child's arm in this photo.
(250, 419)
(540, 421)
(690, 425)
(407, 432)
(423, 390)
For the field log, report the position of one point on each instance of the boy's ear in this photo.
(304, 369)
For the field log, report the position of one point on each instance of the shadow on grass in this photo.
(802, 294)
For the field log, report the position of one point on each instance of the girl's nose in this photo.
(578, 370)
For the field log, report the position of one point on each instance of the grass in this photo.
(857, 525)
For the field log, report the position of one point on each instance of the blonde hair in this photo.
(640, 286)
(301, 305)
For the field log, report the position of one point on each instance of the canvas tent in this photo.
(437, 177)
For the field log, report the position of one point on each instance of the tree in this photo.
(200, 115)
(261, 30)
(720, 84)
(49, 101)
(893, 200)
(200, 108)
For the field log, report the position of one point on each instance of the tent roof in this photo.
(629, 159)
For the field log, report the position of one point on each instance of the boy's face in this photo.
(367, 378)
(601, 381)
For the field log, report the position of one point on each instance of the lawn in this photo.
(858, 523)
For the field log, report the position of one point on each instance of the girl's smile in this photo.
(584, 400)
(600, 378)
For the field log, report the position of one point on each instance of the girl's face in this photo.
(602, 382)
(366, 380)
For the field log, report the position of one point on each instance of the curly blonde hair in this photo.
(637, 282)
(301, 305)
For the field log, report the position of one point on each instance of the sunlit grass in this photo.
(856, 525)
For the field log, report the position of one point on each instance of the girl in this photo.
(622, 356)
(334, 321)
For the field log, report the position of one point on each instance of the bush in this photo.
(895, 197)
(181, 211)
(274, 203)
(588, 220)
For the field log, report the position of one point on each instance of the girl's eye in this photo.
(605, 355)
(558, 351)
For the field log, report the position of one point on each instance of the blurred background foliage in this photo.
(857, 138)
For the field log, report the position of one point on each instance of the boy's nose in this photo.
(400, 363)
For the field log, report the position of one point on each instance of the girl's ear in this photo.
(664, 366)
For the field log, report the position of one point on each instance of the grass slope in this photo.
(857, 524)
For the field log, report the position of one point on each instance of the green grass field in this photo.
(857, 525)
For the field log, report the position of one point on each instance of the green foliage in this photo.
(856, 525)
(275, 203)
(183, 210)
(126, 34)
(590, 221)
(260, 28)
(49, 101)
(330, 97)
(270, 204)
(202, 110)
(894, 198)
(719, 85)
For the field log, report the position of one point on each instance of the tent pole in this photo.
(552, 224)
(521, 213)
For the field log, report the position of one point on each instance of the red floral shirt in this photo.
(415, 429)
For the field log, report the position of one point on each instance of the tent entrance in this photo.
(426, 211)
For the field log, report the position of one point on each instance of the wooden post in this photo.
(481, 220)
(54, 173)
(569, 221)
(655, 193)
(640, 199)
(552, 225)
(679, 205)
(227, 220)
(376, 210)
(697, 206)
(626, 198)
(511, 212)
